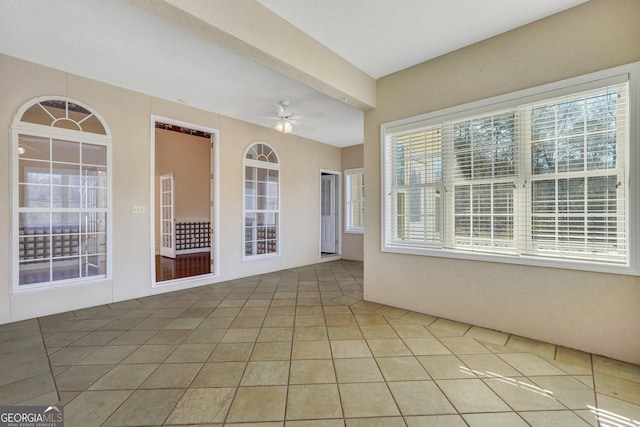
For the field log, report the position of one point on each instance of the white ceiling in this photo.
(384, 36)
(117, 43)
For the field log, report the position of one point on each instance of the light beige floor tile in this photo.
(553, 418)
(219, 374)
(488, 365)
(402, 369)
(169, 336)
(378, 331)
(444, 367)
(503, 419)
(150, 353)
(278, 321)
(452, 326)
(588, 416)
(344, 333)
(240, 335)
(314, 423)
(569, 391)
(521, 394)
(145, 407)
(205, 335)
(617, 387)
(12, 374)
(616, 368)
(532, 346)
(310, 333)
(350, 349)
(29, 388)
(419, 318)
(198, 406)
(340, 319)
(435, 421)
(79, 378)
(108, 354)
(392, 311)
(412, 331)
(96, 406)
(388, 347)
(309, 320)
(231, 352)
(370, 319)
(124, 377)
(576, 358)
(172, 375)
(266, 373)
(271, 351)
(185, 323)
(531, 364)
(464, 345)
(190, 353)
(133, 337)
(67, 356)
(484, 399)
(487, 335)
(314, 401)
(357, 370)
(608, 405)
(265, 403)
(96, 338)
(420, 398)
(426, 346)
(375, 422)
(247, 322)
(311, 350)
(312, 372)
(367, 400)
(275, 334)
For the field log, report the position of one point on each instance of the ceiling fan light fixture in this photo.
(284, 126)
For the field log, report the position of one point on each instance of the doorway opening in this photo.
(330, 241)
(184, 194)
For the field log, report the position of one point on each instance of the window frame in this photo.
(51, 132)
(253, 163)
(629, 72)
(349, 200)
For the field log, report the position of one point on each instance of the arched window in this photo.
(261, 201)
(61, 164)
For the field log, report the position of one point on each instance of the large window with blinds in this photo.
(540, 179)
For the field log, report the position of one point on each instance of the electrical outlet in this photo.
(137, 209)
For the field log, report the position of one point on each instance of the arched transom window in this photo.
(61, 164)
(261, 201)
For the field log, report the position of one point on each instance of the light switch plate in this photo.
(137, 209)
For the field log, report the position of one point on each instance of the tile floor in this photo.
(300, 348)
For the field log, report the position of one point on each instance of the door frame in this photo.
(214, 213)
(164, 251)
(338, 215)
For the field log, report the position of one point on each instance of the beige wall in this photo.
(352, 244)
(128, 114)
(595, 312)
(188, 158)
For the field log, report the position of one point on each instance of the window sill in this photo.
(525, 260)
(354, 231)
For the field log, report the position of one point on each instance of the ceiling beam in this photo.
(253, 31)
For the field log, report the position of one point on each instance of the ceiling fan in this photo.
(284, 117)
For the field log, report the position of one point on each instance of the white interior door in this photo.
(167, 223)
(328, 215)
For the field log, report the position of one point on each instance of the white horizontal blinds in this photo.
(577, 183)
(482, 169)
(547, 179)
(415, 193)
